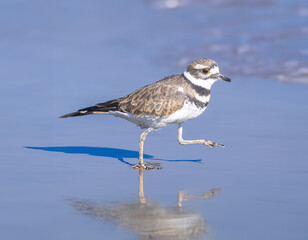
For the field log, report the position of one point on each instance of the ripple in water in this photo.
(257, 39)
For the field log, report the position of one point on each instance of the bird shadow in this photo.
(117, 153)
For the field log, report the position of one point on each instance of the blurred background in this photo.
(60, 56)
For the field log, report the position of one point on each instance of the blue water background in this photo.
(60, 56)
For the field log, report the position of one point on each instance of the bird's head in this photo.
(204, 72)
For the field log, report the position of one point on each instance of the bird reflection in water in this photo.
(151, 220)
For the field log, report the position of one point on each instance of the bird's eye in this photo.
(205, 70)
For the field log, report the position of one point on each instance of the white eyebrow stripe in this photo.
(199, 66)
(213, 70)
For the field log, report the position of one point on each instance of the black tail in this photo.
(105, 107)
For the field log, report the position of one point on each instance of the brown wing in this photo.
(155, 100)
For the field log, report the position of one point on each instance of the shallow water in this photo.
(58, 176)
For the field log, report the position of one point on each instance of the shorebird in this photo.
(172, 100)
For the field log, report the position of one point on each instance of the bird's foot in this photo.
(202, 141)
(148, 166)
(212, 144)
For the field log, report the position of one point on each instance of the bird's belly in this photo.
(188, 112)
(142, 121)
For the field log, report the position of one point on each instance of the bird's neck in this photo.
(198, 94)
(206, 84)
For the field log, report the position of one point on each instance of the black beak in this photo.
(222, 77)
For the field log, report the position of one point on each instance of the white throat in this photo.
(200, 82)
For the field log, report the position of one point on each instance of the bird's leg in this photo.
(142, 199)
(205, 142)
(141, 143)
(141, 165)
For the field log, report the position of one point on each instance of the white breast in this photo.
(188, 112)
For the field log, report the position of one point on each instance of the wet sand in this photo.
(59, 57)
